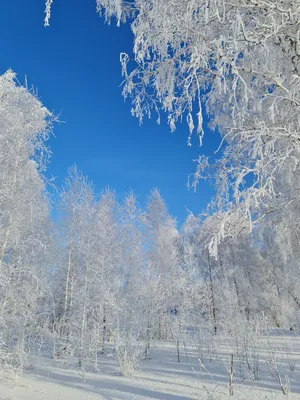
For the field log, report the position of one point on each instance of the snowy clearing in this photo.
(162, 377)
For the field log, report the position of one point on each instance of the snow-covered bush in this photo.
(129, 352)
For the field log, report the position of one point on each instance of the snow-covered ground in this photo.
(163, 377)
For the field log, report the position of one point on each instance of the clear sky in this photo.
(75, 67)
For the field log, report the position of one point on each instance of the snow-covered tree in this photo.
(236, 61)
(76, 205)
(25, 125)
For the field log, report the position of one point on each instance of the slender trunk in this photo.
(96, 360)
(237, 292)
(83, 321)
(69, 267)
(231, 375)
(11, 211)
(103, 329)
(159, 328)
(178, 350)
(212, 296)
(64, 328)
(246, 308)
(294, 298)
(147, 348)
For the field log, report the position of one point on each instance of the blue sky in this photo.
(75, 67)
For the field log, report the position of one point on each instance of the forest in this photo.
(87, 276)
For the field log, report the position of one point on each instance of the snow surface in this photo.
(162, 377)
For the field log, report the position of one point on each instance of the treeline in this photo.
(112, 274)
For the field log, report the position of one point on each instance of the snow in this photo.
(161, 377)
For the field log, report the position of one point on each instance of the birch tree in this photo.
(76, 207)
(106, 269)
(238, 62)
(163, 254)
(25, 125)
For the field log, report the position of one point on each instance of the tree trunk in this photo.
(103, 329)
(11, 210)
(212, 296)
(83, 320)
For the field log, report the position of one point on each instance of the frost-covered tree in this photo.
(132, 258)
(236, 61)
(131, 231)
(25, 125)
(279, 235)
(76, 205)
(163, 255)
(106, 272)
(241, 60)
